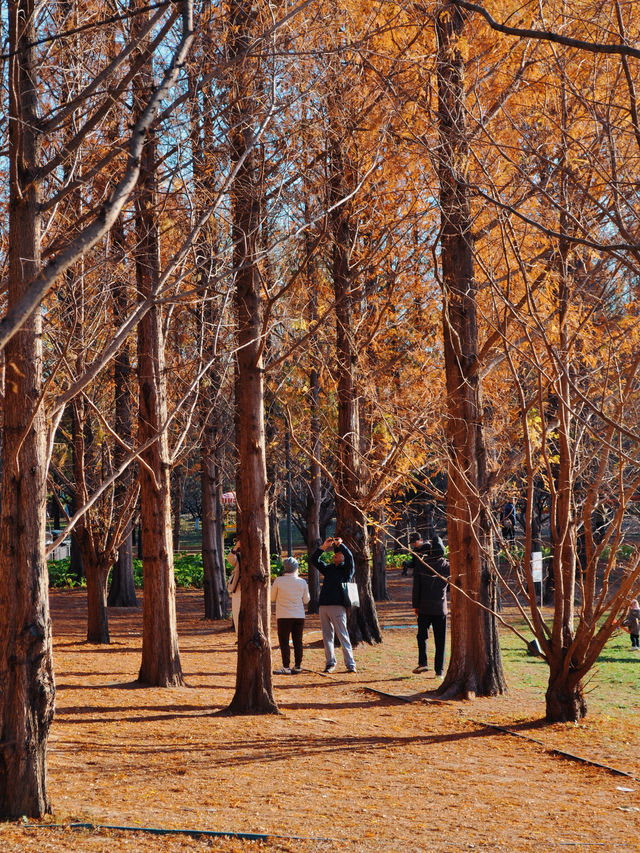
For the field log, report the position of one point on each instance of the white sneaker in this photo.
(284, 670)
(421, 669)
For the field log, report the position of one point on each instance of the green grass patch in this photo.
(613, 683)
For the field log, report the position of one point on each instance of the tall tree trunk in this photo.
(26, 668)
(216, 597)
(476, 664)
(565, 699)
(95, 572)
(379, 574)
(177, 492)
(122, 592)
(314, 499)
(351, 522)
(160, 664)
(254, 691)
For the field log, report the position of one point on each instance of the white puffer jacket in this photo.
(290, 593)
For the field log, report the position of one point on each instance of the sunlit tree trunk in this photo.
(160, 665)
(351, 523)
(475, 667)
(254, 691)
(26, 669)
(565, 700)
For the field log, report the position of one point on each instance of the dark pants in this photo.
(293, 628)
(635, 641)
(439, 625)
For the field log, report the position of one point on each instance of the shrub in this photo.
(60, 577)
(397, 559)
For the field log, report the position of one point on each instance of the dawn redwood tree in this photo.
(26, 667)
(351, 522)
(160, 666)
(26, 702)
(122, 591)
(254, 689)
(475, 667)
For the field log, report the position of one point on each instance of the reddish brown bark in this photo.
(475, 667)
(254, 691)
(351, 523)
(26, 669)
(160, 664)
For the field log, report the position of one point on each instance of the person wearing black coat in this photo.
(332, 610)
(418, 547)
(429, 600)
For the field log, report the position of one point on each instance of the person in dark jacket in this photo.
(418, 547)
(429, 599)
(333, 613)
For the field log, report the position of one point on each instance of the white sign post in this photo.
(536, 572)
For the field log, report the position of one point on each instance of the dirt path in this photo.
(341, 768)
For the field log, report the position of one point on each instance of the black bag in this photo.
(350, 594)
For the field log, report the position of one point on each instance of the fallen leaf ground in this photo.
(341, 768)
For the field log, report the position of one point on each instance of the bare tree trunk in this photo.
(379, 574)
(275, 541)
(351, 522)
(160, 665)
(216, 597)
(26, 669)
(314, 500)
(122, 592)
(476, 664)
(95, 572)
(177, 492)
(254, 690)
(565, 700)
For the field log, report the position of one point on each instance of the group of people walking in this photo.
(290, 593)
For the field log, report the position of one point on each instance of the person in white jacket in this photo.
(290, 593)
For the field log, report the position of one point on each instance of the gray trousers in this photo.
(334, 617)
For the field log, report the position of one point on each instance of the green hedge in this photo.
(187, 569)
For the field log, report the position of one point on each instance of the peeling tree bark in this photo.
(476, 663)
(26, 669)
(254, 690)
(160, 665)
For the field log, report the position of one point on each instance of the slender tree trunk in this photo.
(314, 500)
(97, 622)
(351, 522)
(122, 592)
(476, 664)
(216, 597)
(254, 690)
(160, 665)
(275, 541)
(177, 492)
(26, 669)
(565, 700)
(379, 575)
(95, 572)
